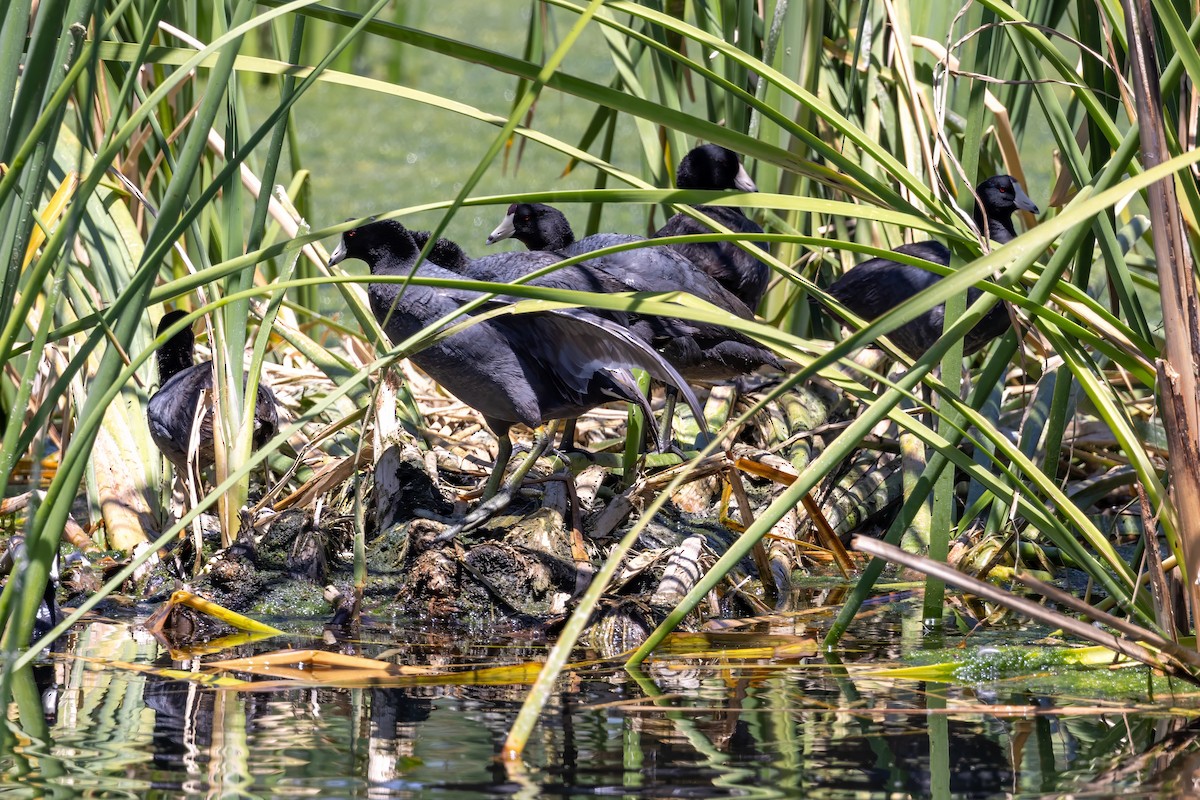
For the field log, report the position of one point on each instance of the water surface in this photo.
(120, 724)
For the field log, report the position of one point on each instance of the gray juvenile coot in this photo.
(875, 287)
(714, 168)
(699, 351)
(172, 410)
(526, 369)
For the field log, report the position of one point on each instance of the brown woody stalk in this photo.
(1181, 320)
(1162, 660)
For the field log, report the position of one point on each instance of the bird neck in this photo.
(385, 262)
(174, 357)
(999, 225)
(559, 239)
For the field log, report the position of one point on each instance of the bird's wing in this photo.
(577, 344)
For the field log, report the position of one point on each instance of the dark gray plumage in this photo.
(171, 411)
(521, 369)
(714, 168)
(698, 350)
(444, 253)
(508, 267)
(875, 287)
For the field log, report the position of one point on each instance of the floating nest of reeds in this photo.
(528, 564)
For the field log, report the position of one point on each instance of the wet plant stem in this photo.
(1164, 660)
(942, 517)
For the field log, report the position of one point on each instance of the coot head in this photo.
(713, 167)
(175, 355)
(535, 225)
(381, 243)
(1001, 195)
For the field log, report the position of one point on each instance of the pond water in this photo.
(130, 721)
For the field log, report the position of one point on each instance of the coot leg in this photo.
(666, 441)
(498, 501)
(503, 454)
(668, 420)
(566, 443)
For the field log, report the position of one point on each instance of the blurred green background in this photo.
(369, 152)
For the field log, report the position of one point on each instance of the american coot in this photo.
(712, 167)
(526, 369)
(444, 253)
(875, 287)
(172, 410)
(700, 351)
(544, 228)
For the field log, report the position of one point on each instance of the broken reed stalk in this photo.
(1162, 660)
(1104, 618)
(825, 532)
(1166, 613)
(762, 563)
(1177, 381)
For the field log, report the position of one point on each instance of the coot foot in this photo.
(498, 501)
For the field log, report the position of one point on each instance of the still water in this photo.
(120, 723)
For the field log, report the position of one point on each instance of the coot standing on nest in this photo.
(714, 168)
(700, 351)
(526, 369)
(875, 287)
(171, 411)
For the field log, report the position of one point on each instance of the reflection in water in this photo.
(683, 730)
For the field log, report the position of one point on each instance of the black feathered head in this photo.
(712, 167)
(384, 244)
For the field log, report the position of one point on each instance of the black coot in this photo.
(172, 410)
(714, 168)
(875, 287)
(444, 253)
(528, 369)
(700, 351)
